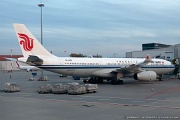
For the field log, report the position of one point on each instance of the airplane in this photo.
(114, 69)
(27, 68)
(23, 67)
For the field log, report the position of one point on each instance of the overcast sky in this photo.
(90, 27)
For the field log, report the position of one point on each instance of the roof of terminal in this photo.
(3, 57)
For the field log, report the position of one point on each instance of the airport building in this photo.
(168, 52)
(7, 65)
(150, 46)
(157, 50)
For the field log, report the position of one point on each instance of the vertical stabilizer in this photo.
(28, 43)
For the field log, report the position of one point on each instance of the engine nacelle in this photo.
(146, 76)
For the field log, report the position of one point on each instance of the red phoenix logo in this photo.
(26, 42)
(147, 57)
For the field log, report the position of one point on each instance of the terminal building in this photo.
(150, 46)
(157, 50)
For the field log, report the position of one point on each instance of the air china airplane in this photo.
(27, 68)
(22, 67)
(114, 69)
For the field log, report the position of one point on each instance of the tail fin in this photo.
(28, 43)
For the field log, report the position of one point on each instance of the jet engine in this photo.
(146, 76)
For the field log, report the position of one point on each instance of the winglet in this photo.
(148, 59)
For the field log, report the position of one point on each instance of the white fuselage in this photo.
(101, 67)
(28, 68)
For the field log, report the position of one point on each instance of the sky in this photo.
(106, 27)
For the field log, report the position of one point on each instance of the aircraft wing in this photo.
(134, 68)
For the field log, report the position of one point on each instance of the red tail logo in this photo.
(26, 42)
(147, 57)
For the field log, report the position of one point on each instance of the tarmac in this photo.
(132, 100)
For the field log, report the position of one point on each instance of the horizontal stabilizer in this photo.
(10, 59)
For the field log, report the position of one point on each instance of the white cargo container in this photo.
(59, 88)
(91, 88)
(11, 87)
(76, 89)
(45, 89)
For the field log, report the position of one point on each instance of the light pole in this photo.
(41, 5)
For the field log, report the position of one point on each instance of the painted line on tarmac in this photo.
(138, 101)
(104, 99)
(76, 98)
(87, 102)
(160, 92)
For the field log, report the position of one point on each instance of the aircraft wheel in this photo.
(120, 82)
(114, 82)
(100, 80)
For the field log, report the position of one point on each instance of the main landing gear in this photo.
(160, 77)
(97, 80)
(117, 82)
(94, 80)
